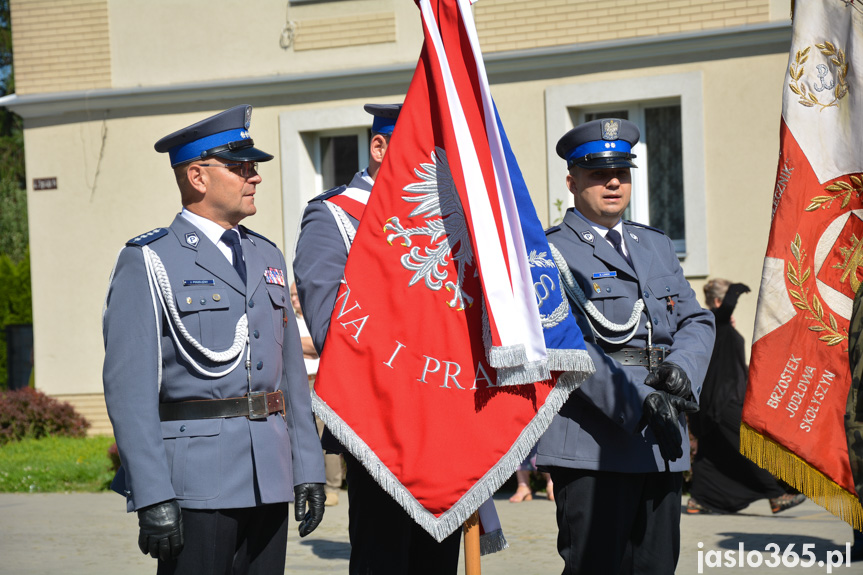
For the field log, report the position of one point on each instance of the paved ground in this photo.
(90, 534)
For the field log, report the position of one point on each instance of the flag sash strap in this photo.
(490, 254)
(353, 201)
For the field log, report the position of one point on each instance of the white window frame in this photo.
(299, 139)
(638, 93)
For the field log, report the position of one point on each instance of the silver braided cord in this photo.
(345, 226)
(574, 291)
(156, 271)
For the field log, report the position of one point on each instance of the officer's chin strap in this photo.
(575, 293)
(157, 274)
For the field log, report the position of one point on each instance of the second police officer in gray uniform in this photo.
(204, 376)
(618, 446)
(384, 539)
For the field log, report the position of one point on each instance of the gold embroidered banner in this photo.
(799, 375)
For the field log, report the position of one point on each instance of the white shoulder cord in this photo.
(345, 226)
(157, 275)
(574, 291)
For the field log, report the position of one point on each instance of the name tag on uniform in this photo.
(199, 282)
(599, 275)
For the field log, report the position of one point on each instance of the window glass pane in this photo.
(339, 160)
(665, 172)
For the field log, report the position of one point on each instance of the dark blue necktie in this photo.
(232, 239)
(614, 237)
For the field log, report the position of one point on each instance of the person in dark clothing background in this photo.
(723, 480)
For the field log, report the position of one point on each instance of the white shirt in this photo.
(311, 364)
(602, 230)
(213, 231)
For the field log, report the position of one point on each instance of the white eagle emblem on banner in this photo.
(445, 226)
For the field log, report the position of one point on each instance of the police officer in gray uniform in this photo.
(204, 376)
(618, 446)
(384, 539)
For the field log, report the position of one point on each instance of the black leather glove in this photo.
(661, 411)
(670, 377)
(313, 494)
(161, 530)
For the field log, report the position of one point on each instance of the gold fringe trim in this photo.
(794, 471)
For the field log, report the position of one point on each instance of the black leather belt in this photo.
(256, 405)
(650, 358)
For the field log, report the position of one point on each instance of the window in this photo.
(339, 157)
(668, 188)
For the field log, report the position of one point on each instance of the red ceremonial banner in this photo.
(799, 373)
(405, 381)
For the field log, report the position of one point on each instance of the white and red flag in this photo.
(451, 345)
(799, 375)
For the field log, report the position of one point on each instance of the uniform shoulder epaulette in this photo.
(257, 235)
(150, 236)
(643, 226)
(328, 194)
(552, 229)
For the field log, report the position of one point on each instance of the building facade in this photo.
(99, 81)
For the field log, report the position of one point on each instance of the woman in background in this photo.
(723, 480)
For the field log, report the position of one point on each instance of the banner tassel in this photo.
(794, 471)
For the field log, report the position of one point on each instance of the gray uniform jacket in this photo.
(600, 426)
(319, 262)
(319, 266)
(205, 463)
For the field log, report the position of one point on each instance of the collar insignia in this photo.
(192, 239)
(588, 236)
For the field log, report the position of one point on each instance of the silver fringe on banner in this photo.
(444, 525)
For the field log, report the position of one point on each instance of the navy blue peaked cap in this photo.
(225, 135)
(605, 143)
(385, 117)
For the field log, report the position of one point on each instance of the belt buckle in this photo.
(655, 356)
(653, 360)
(258, 408)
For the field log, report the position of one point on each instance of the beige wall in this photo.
(240, 39)
(60, 45)
(518, 25)
(113, 186)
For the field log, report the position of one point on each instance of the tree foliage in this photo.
(11, 130)
(15, 293)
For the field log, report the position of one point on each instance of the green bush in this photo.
(27, 413)
(15, 301)
(53, 464)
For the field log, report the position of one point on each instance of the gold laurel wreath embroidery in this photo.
(843, 191)
(798, 277)
(837, 58)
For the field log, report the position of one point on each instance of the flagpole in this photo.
(471, 545)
